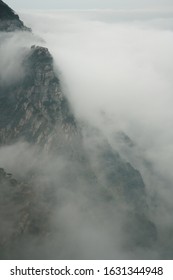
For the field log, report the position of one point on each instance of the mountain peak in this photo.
(6, 12)
(9, 20)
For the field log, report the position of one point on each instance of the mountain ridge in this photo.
(9, 20)
(35, 110)
(38, 96)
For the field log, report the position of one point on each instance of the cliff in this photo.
(35, 109)
(9, 21)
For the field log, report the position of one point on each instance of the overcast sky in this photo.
(88, 4)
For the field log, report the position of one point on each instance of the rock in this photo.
(9, 21)
(21, 215)
(39, 108)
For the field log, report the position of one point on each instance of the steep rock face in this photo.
(119, 176)
(35, 109)
(21, 215)
(120, 182)
(9, 21)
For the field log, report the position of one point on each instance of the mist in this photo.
(78, 219)
(118, 75)
(16, 46)
(116, 70)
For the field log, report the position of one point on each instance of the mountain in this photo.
(35, 110)
(9, 21)
(20, 215)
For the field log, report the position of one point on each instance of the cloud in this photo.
(120, 68)
(75, 220)
(118, 76)
(13, 49)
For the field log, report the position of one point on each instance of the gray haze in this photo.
(117, 70)
(89, 4)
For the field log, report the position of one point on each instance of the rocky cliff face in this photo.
(9, 21)
(22, 216)
(35, 110)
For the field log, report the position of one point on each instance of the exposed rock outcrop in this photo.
(9, 21)
(35, 109)
(22, 216)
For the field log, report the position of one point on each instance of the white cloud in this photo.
(124, 69)
(13, 49)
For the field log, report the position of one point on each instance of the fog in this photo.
(82, 220)
(116, 70)
(16, 47)
(118, 75)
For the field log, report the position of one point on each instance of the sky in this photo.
(89, 4)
